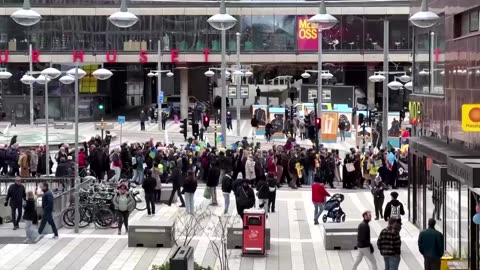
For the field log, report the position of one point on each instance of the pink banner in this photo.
(307, 36)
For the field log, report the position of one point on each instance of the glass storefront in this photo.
(266, 33)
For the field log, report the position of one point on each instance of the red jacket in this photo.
(81, 159)
(319, 193)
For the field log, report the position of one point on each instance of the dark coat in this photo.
(430, 243)
(213, 175)
(245, 197)
(190, 184)
(227, 184)
(30, 211)
(263, 190)
(175, 178)
(149, 184)
(15, 195)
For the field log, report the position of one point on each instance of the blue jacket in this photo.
(47, 202)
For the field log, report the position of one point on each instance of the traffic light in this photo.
(100, 106)
(318, 123)
(206, 121)
(183, 128)
(191, 117)
(195, 130)
(402, 115)
(361, 118)
(293, 111)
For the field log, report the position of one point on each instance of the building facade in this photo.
(444, 162)
(275, 36)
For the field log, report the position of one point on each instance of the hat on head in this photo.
(122, 186)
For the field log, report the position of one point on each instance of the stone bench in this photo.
(151, 234)
(41, 121)
(235, 236)
(340, 236)
(64, 125)
(106, 126)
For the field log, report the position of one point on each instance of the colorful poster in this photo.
(307, 35)
(260, 113)
(329, 126)
(346, 117)
(276, 116)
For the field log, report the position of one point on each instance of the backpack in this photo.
(395, 213)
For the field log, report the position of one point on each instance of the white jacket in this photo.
(250, 169)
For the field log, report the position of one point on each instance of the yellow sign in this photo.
(471, 117)
(88, 84)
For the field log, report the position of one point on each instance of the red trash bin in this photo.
(254, 232)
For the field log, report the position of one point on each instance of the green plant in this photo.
(166, 266)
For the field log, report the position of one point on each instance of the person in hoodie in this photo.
(319, 196)
(394, 209)
(244, 197)
(272, 191)
(227, 186)
(148, 186)
(263, 193)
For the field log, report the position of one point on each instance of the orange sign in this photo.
(329, 126)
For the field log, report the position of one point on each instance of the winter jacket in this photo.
(389, 242)
(430, 243)
(245, 197)
(149, 184)
(213, 175)
(319, 193)
(130, 203)
(15, 195)
(33, 162)
(271, 165)
(23, 164)
(227, 184)
(272, 184)
(30, 212)
(190, 185)
(175, 178)
(259, 169)
(47, 202)
(250, 169)
(378, 191)
(263, 191)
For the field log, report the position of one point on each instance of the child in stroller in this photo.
(334, 210)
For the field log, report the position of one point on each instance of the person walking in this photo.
(341, 128)
(229, 121)
(245, 197)
(24, 165)
(378, 197)
(390, 245)
(272, 189)
(157, 173)
(176, 180)
(263, 193)
(15, 197)
(189, 188)
(431, 246)
(164, 119)
(143, 118)
(227, 187)
(138, 168)
(124, 204)
(394, 209)
(47, 207)
(365, 247)
(30, 217)
(149, 187)
(319, 195)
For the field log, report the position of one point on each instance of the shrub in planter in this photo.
(166, 266)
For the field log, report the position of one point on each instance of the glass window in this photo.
(352, 32)
(398, 35)
(284, 33)
(465, 23)
(174, 33)
(452, 204)
(199, 33)
(332, 38)
(263, 29)
(464, 219)
(421, 66)
(474, 21)
(374, 32)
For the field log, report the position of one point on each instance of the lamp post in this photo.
(223, 21)
(158, 73)
(323, 21)
(28, 17)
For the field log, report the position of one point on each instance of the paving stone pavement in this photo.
(295, 242)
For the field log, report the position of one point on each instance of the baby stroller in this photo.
(334, 210)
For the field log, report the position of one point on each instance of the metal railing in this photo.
(55, 184)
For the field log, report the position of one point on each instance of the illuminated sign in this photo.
(307, 35)
(471, 117)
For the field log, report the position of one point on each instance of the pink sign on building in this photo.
(307, 35)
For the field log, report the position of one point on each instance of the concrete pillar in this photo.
(183, 93)
(370, 86)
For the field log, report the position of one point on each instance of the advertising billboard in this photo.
(307, 36)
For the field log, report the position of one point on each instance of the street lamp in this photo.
(424, 18)
(223, 21)
(26, 16)
(322, 21)
(158, 73)
(4, 74)
(123, 18)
